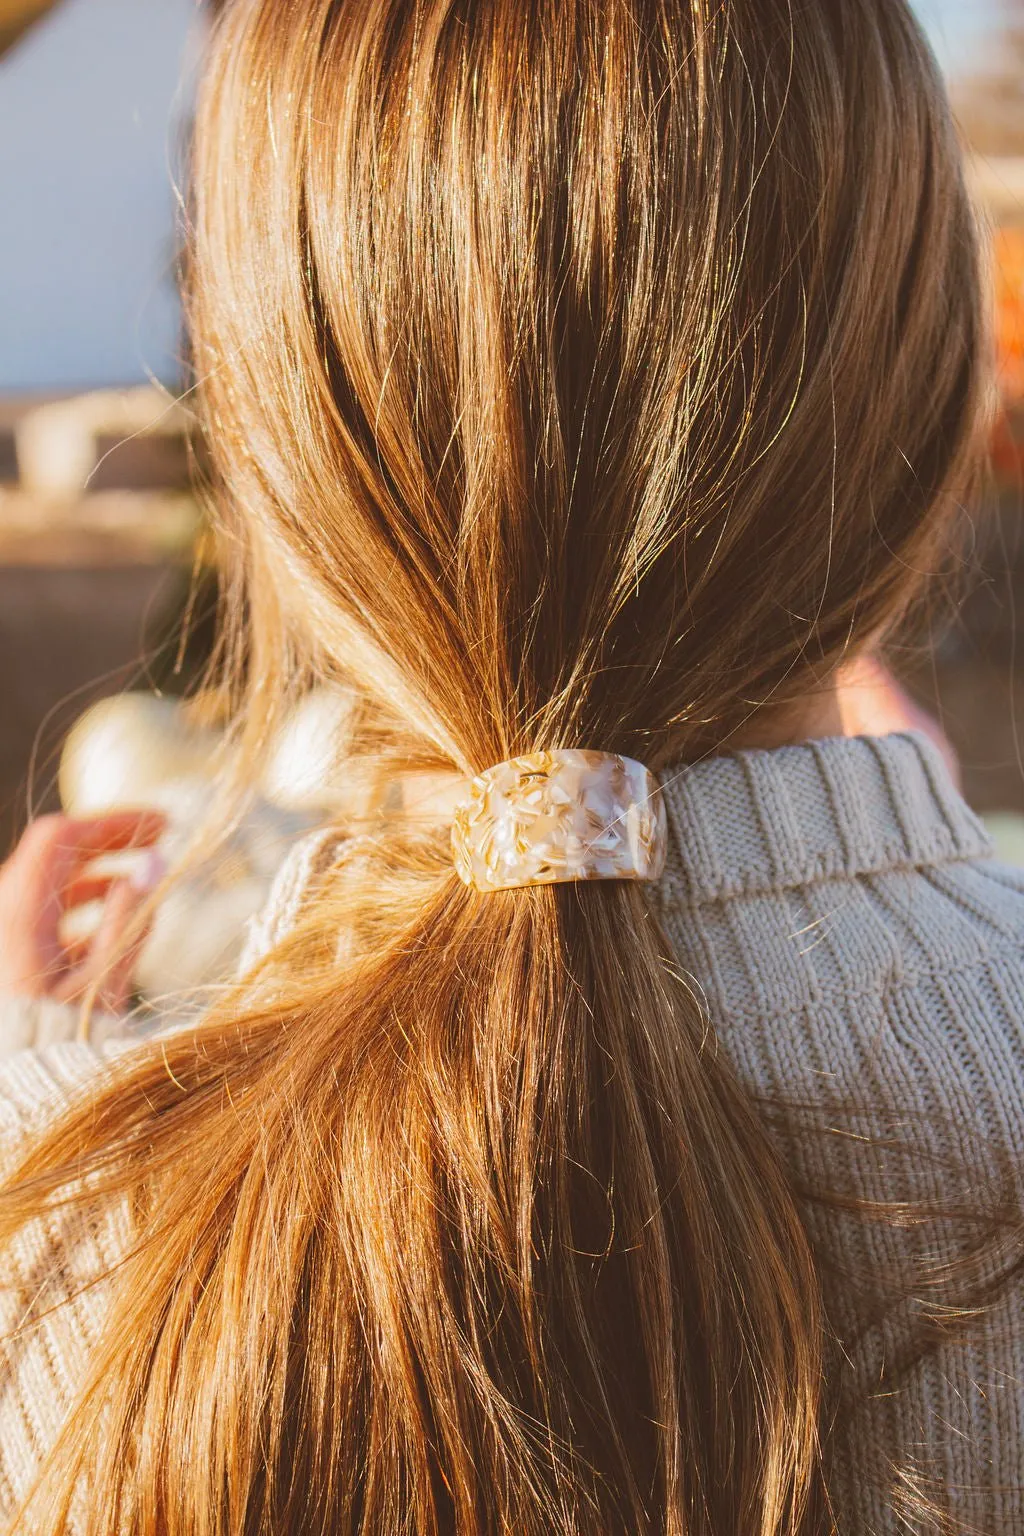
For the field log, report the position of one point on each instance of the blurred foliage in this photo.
(1008, 440)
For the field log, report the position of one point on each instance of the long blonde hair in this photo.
(576, 373)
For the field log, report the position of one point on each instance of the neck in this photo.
(806, 719)
(862, 698)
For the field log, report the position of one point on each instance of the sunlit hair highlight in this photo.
(583, 373)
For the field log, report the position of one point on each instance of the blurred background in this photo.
(100, 535)
(98, 529)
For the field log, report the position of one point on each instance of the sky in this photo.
(91, 107)
(958, 28)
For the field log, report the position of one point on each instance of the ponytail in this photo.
(482, 1237)
(551, 404)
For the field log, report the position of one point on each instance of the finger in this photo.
(50, 858)
(146, 873)
(76, 953)
(119, 940)
(123, 896)
(33, 880)
(105, 965)
(89, 836)
(43, 857)
(55, 847)
(86, 888)
(110, 990)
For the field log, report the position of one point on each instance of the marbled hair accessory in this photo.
(559, 816)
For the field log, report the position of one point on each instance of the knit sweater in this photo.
(862, 958)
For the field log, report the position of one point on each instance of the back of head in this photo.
(580, 373)
(585, 371)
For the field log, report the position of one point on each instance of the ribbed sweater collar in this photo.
(763, 821)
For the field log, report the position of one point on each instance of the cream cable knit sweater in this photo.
(857, 944)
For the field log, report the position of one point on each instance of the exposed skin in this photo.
(872, 703)
(52, 871)
(863, 700)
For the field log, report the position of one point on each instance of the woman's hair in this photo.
(576, 373)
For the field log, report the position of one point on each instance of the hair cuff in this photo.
(559, 816)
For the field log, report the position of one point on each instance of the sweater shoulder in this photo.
(901, 990)
(841, 941)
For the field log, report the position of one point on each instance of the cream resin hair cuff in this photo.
(559, 816)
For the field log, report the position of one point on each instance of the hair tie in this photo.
(558, 816)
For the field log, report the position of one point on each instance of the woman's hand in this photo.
(50, 875)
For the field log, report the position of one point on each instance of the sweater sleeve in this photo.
(53, 1275)
(34, 1023)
